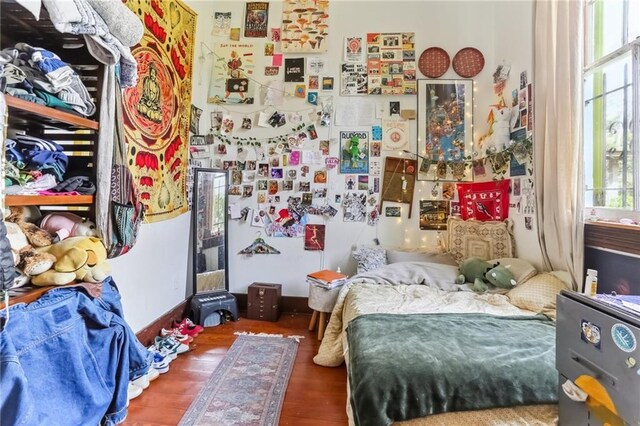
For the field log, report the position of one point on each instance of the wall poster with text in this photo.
(354, 152)
(232, 73)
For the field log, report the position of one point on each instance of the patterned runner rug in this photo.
(248, 386)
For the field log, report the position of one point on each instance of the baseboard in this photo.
(288, 304)
(149, 333)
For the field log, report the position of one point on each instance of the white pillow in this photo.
(369, 257)
(520, 268)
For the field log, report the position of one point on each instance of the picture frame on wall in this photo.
(445, 129)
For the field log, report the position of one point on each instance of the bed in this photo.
(441, 353)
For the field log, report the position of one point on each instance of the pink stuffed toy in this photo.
(64, 224)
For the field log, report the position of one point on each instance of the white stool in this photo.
(321, 301)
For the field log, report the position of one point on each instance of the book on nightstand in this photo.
(326, 279)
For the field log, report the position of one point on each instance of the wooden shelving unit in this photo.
(29, 111)
(25, 294)
(48, 200)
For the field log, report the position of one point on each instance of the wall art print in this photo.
(305, 26)
(157, 110)
(391, 61)
(484, 201)
(445, 119)
(256, 19)
(354, 152)
(232, 73)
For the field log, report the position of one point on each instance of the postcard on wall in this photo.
(354, 152)
(354, 205)
(234, 34)
(353, 49)
(231, 82)
(315, 65)
(314, 237)
(395, 133)
(354, 80)
(221, 23)
(392, 64)
(275, 35)
(305, 26)
(294, 70)
(393, 211)
(256, 19)
(434, 214)
(327, 83)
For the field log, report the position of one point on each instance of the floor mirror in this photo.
(211, 302)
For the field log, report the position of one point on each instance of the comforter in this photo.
(407, 366)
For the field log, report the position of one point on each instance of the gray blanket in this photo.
(408, 366)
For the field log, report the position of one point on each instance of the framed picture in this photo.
(445, 134)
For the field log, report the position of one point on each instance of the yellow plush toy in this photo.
(77, 259)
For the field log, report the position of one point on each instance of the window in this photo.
(611, 110)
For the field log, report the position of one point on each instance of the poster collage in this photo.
(285, 179)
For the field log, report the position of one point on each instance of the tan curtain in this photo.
(558, 158)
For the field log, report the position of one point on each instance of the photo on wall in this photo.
(434, 214)
(314, 237)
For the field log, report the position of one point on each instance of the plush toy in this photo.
(498, 137)
(484, 275)
(37, 237)
(26, 259)
(65, 224)
(77, 258)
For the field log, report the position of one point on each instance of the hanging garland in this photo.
(249, 141)
(498, 160)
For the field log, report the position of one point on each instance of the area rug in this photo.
(248, 386)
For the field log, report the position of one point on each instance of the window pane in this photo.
(608, 139)
(606, 26)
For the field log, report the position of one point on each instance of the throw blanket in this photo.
(408, 366)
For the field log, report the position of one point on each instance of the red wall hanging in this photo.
(484, 201)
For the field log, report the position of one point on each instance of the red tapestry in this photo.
(484, 201)
(157, 110)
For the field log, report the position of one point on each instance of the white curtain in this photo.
(558, 159)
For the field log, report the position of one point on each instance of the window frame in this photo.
(590, 67)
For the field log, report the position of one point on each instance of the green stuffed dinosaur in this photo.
(484, 275)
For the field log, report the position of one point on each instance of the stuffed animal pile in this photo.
(74, 254)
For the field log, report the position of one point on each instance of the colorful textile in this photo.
(157, 109)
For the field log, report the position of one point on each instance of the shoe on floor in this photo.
(186, 326)
(133, 391)
(171, 344)
(153, 374)
(160, 362)
(163, 352)
(182, 338)
(142, 382)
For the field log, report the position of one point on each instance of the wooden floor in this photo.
(316, 396)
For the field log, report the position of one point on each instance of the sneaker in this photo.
(160, 362)
(182, 338)
(186, 326)
(142, 382)
(153, 374)
(171, 344)
(133, 391)
(163, 352)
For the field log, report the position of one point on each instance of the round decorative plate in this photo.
(434, 62)
(468, 62)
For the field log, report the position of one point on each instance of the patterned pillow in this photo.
(486, 240)
(369, 257)
(538, 294)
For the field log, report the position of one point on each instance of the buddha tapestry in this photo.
(157, 109)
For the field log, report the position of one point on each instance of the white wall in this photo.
(152, 277)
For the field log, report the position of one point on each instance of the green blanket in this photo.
(407, 366)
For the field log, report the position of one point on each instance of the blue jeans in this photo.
(64, 360)
(140, 358)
